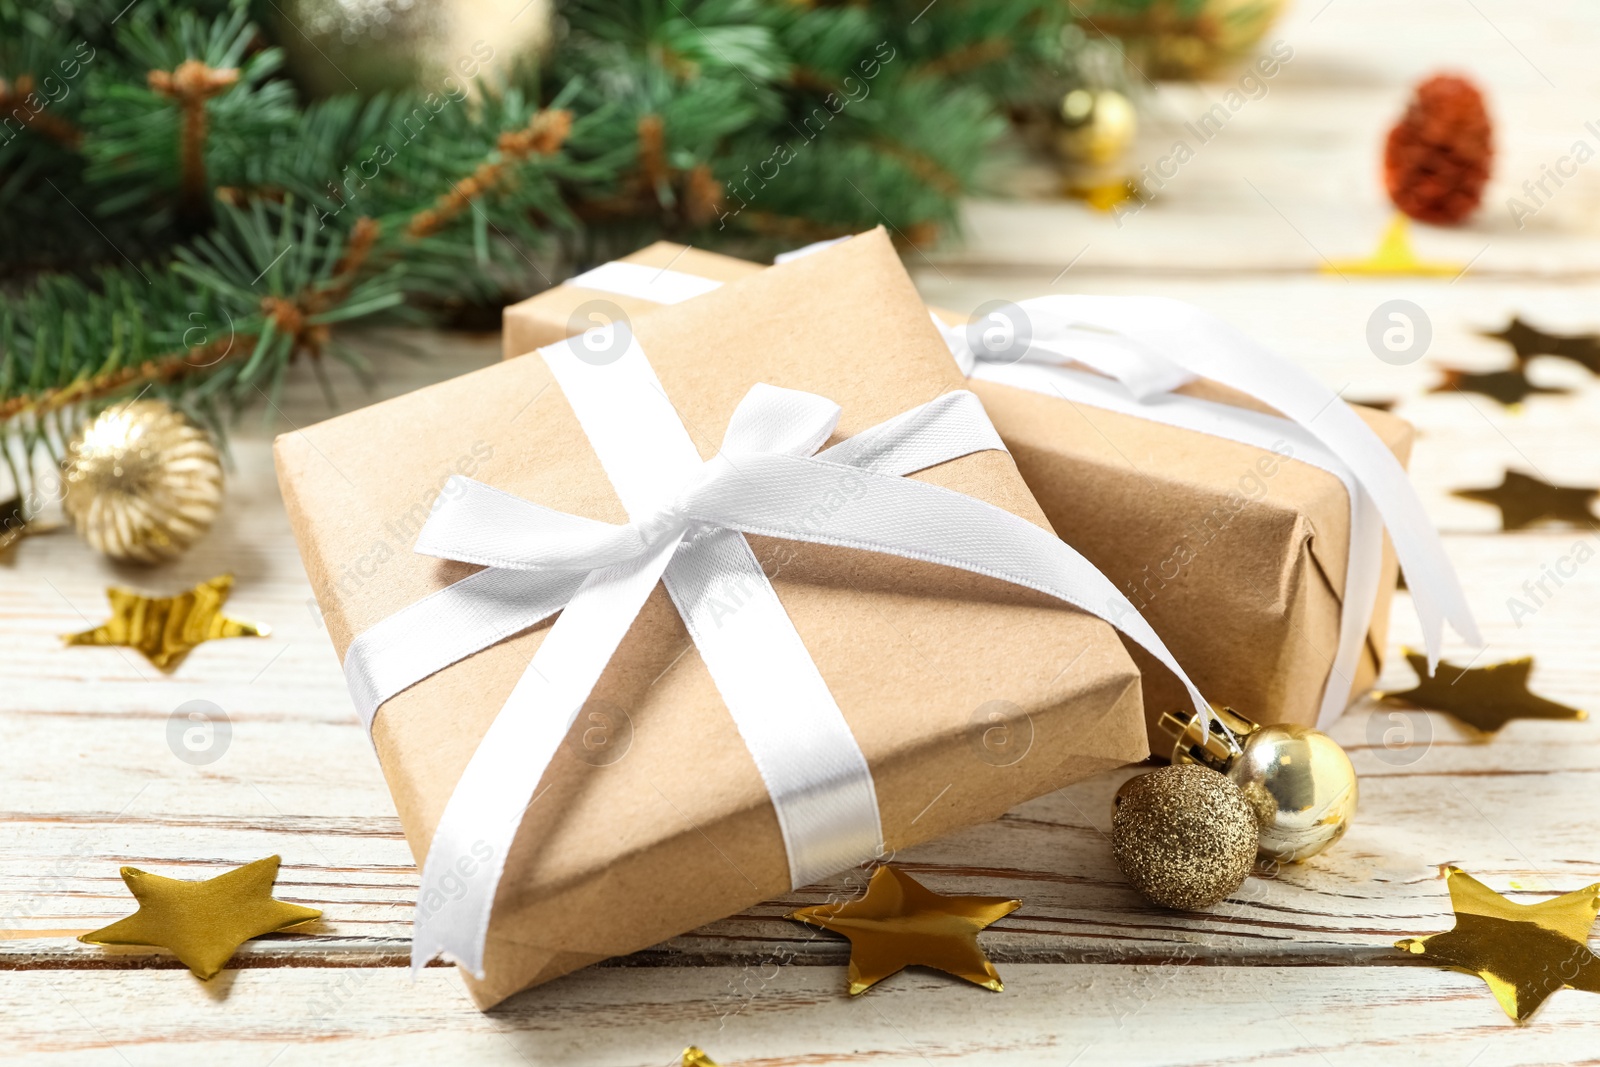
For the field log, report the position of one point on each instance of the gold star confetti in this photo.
(165, 629)
(1485, 698)
(900, 923)
(1105, 195)
(1525, 952)
(1528, 341)
(203, 922)
(1509, 387)
(1524, 500)
(1394, 255)
(693, 1056)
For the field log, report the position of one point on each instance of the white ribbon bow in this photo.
(687, 523)
(1151, 346)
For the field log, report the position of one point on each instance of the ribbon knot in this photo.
(662, 526)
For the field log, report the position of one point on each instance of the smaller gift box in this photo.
(688, 785)
(658, 274)
(1249, 546)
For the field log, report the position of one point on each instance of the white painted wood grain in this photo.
(1089, 1016)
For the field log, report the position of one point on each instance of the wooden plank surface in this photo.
(1297, 967)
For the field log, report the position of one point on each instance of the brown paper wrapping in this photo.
(679, 831)
(1253, 615)
(1237, 558)
(559, 312)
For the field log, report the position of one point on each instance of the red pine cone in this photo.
(1437, 158)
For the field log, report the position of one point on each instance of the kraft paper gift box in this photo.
(1235, 555)
(923, 660)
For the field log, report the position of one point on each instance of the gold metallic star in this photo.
(1395, 255)
(900, 922)
(1524, 500)
(203, 922)
(1104, 195)
(1509, 387)
(1525, 952)
(166, 628)
(1485, 698)
(693, 1056)
(1528, 341)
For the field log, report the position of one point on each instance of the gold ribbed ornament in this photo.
(141, 482)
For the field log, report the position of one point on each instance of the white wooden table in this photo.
(1294, 968)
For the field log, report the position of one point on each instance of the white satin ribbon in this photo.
(1269, 433)
(1159, 330)
(656, 284)
(687, 521)
(1151, 346)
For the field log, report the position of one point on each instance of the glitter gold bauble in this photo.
(1299, 782)
(1183, 835)
(141, 482)
(1095, 127)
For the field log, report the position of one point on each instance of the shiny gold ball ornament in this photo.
(1186, 40)
(441, 48)
(140, 482)
(1184, 836)
(1298, 780)
(1096, 126)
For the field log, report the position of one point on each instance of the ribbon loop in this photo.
(771, 419)
(1031, 337)
(476, 523)
(1169, 331)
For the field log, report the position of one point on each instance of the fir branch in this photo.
(703, 119)
(18, 103)
(543, 136)
(190, 85)
(116, 380)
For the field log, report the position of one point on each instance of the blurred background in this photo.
(199, 202)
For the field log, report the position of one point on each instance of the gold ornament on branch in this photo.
(442, 47)
(1096, 126)
(141, 483)
(1298, 781)
(1184, 836)
(1183, 39)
